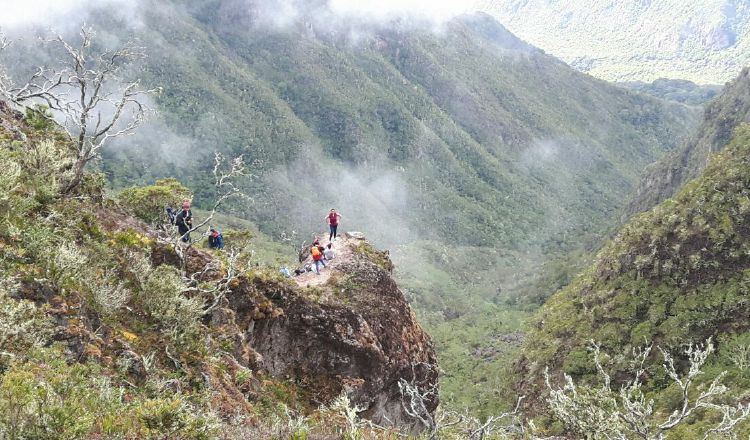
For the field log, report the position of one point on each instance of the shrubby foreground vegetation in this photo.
(98, 341)
(678, 273)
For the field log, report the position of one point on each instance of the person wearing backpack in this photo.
(171, 214)
(184, 220)
(332, 219)
(215, 239)
(317, 256)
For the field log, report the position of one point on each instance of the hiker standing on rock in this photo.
(333, 223)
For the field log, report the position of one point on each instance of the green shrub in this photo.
(45, 398)
(163, 300)
(22, 325)
(148, 202)
(174, 418)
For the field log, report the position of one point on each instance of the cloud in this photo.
(21, 13)
(436, 10)
(51, 13)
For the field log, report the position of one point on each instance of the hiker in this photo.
(328, 252)
(184, 220)
(317, 255)
(333, 223)
(215, 239)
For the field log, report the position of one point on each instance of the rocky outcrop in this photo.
(356, 334)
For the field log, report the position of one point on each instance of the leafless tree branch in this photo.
(610, 414)
(79, 91)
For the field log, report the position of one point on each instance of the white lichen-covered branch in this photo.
(625, 413)
(85, 94)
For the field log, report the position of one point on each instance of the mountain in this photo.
(391, 119)
(479, 160)
(704, 41)
(113, 329)
(674, 275)
(722, 116)
(684, 91)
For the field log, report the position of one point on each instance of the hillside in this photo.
(113, 328)
(674, 275)
(684, 91)
(705, 41)
(391, 110)
(662, 179)
(392, 122)
(479, 160)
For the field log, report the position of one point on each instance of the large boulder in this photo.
(356, 334)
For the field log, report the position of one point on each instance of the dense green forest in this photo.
(683, 91)
(674, 275)
(704, 41)
(721, 116)
(489, 168)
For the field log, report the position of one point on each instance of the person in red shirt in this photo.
(332, 219)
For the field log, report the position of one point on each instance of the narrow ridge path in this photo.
(344, 248)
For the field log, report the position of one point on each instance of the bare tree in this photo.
(606, 413)
(225, 176)
(416, 399)
(86, 93)
(217, 290)
(226, 188)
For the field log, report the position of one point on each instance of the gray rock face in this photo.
(355, 235)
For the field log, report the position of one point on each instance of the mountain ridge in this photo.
(722, 115)
(706, 41)
(674, 275)
(129, 332)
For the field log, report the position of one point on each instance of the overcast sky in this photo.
(46, 12)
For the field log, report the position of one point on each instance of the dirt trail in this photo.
(344, 247)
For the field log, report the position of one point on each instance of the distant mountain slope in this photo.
(503, 137)
(679, 90)
(704, 41)
(677, 274)
(662, 179)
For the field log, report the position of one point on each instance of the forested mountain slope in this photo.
(479, 160)
(675, 275)
(704, 41)
(662, 179)
(498, 133)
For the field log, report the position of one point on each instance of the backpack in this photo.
(171, 215)
(315, 253)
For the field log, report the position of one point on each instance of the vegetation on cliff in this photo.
(674, 275)
(662, 179)
(106, 332)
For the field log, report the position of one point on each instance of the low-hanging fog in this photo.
(375, 194)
